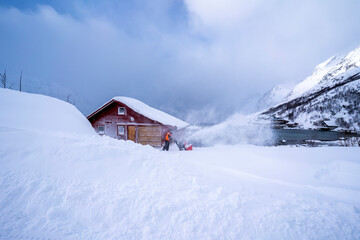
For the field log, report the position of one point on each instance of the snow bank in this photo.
(56, 187)
(36, 112)
(152, 113)
(238, 129)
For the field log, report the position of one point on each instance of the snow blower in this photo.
(183, 145)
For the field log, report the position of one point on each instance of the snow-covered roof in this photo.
(330, 122)
(149, 112)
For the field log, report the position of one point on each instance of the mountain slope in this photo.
(332, 92)
(273, 97)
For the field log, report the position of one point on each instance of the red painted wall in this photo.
(110, 118)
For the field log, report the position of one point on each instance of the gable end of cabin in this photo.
(119, 121)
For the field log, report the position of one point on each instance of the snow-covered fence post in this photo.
(20, 80)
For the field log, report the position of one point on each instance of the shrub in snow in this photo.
(350, 142)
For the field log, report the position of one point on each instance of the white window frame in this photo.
(101, 132)
(123, 134)
(121, 112)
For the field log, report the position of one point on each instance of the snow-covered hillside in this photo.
(332, 64)
(332, 92)
(57, 185)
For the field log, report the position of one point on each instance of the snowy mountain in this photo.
(273, 97)
(332, 93)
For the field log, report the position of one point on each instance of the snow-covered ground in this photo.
(78, 185)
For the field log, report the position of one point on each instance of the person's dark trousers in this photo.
(166, 146)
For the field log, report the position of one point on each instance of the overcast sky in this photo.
(199, 58)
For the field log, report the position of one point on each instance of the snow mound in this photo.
(152, 113)
(36, 112)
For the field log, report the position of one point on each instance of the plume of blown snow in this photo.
(238, 129)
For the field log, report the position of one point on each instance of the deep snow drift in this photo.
(56, 185)
(40, 113)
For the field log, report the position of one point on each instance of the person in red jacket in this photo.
(167, 141)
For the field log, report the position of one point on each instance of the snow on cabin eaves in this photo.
(151, 113)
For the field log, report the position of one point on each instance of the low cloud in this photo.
(220, 15)
(187, 57)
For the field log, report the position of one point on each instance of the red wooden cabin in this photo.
(130, 119)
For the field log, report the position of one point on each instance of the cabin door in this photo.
(131, 133)
(150, 135)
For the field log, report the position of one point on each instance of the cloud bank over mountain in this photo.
(179, 56)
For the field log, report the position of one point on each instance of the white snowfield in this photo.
(60, 185)
(152, 113)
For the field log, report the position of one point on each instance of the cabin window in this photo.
(121, 111)
(101, 129)
(121, 130)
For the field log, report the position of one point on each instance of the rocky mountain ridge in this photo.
(332, 93)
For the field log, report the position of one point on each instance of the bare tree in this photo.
(4, 82)
(3, 79)
(350, 142)
(70, 100)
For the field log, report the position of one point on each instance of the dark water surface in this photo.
(299, 136)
